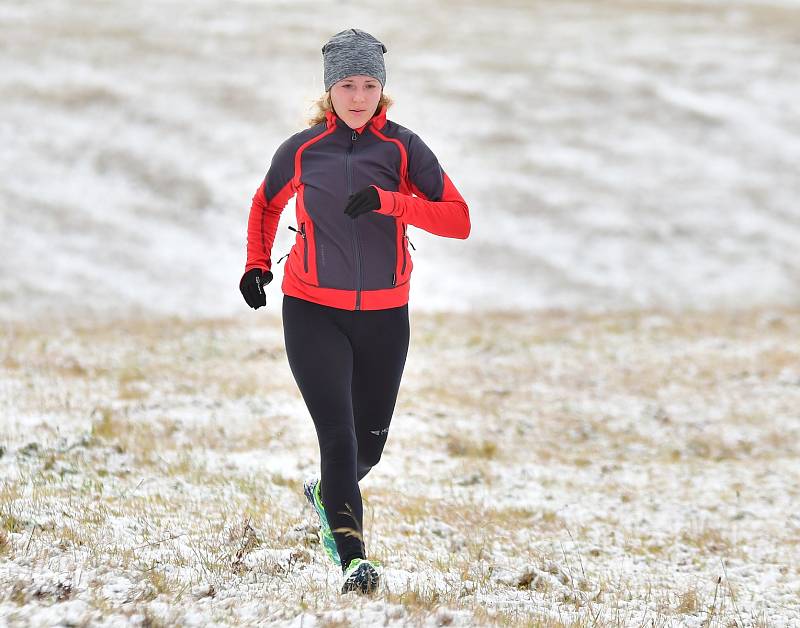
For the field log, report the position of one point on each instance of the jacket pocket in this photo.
(302, 233)
(405, 252)
(305, 246)
(407, 265)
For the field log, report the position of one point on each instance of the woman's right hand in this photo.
(252, 287)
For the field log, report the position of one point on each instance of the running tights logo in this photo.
(379, 432)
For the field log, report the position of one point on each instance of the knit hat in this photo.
(353, 52)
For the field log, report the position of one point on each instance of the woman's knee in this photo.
(371, 456)
(370, 447)
(338, 446)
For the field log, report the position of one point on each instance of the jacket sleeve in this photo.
(437, 206)
(265, 211)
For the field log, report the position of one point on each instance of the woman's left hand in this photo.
(367, 200)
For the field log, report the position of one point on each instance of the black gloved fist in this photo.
(252, 287)
(367, 200)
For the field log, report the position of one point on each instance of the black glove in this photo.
(367, 200)
(252, 287)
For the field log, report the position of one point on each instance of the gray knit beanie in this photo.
(353, 52)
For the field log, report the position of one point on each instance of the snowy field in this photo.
(599, 423)
(549, 469)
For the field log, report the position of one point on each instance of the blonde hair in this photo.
(323, 104)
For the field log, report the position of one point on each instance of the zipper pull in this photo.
(411, 243)
(302, 233)
(283, 258)
(355, 136)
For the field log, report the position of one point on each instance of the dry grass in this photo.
(457, 446)
(689, 602)
(5, 543)
(580, 445)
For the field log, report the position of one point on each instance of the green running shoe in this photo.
(311, 490)
(361, 576)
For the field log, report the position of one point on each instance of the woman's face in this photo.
(355, 99)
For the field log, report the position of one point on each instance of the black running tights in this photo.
(348, 366)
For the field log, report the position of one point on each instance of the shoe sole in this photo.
(364, 579)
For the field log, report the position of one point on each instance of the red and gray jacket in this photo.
(361, 263)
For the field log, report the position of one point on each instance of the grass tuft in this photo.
(459, 446)
(5, 543)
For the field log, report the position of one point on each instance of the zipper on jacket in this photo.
(407, 239)
(403, 269)
(305, 246)
(356, 241)
(302, 232)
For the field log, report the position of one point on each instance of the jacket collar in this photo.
(378, 120)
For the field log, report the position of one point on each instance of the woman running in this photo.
(360, 180)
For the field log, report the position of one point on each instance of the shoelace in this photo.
(376, 563)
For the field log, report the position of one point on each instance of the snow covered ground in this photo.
(599, 421)
(622, 469)
(614, 154)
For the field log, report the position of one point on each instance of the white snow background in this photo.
(613, 154)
